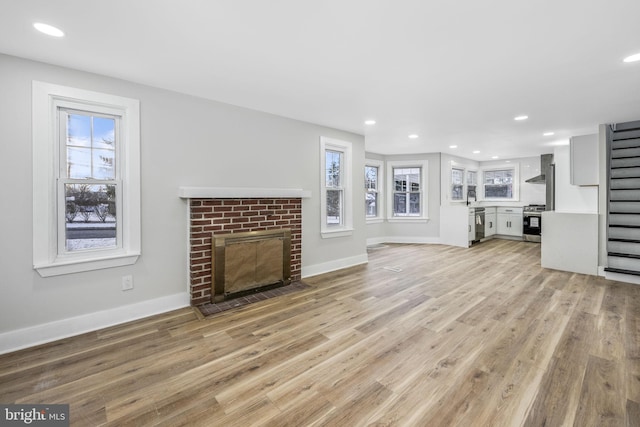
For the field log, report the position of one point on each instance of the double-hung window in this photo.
(373, 181)
(407, 190)
(336, 211)
(86, 180)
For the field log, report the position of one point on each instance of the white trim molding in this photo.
(424, 196)
(240, 193)
(326, 267)
(345, 227)
(52, 331)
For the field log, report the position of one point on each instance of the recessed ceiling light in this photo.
(453, 146)
(476, 151)
(507, 161)
(48, 29)
(520, 118)
(413, 136)
(495, 157)
(548, 134)
(369, 122)
(632, 58)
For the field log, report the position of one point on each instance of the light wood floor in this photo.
(466, 337)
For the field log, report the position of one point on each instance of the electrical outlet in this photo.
(127, 283)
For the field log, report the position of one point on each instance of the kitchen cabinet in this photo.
(584, 159)
(490, 222)
(509, 221)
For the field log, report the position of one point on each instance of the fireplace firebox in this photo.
(243, 263)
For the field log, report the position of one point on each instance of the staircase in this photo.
(623, 245)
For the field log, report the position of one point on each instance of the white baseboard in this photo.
(404, 239)
(52, 331)
(338, 264)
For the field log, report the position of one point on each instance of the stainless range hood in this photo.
(545, 162)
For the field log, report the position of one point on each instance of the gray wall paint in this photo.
(186, 141)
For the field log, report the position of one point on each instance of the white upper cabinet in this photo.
(584, 160)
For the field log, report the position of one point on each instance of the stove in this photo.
(532, 223)
(534, 208)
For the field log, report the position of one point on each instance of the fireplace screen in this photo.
(245, 262)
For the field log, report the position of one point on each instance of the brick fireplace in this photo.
(216, 215)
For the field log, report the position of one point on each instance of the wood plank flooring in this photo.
(454, 337)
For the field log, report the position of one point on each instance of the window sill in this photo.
(77, 266)
(408, 220)
(342, 232)
(375, 220)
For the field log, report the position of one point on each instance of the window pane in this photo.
(90, 147)
(78, 130)
(90, 216)
(371, 204)
(503, 191)
(333, 168)
(456, 192)
(103, 164)
(104, 132)
(414, 203)
(334, 207)
(406, 199)
(456, 176)
(78, 162)
(413, 177)
(498, 184)
(370, 177)
(472, 177)
(399, 203)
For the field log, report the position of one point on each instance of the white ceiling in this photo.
(453, 72)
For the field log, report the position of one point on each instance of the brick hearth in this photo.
(222, 216)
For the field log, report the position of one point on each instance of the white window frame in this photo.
(381, 184)
(515, 167)
(424, 196)
(47, 214)
(464, 183)
(345, 228)
(467, 183)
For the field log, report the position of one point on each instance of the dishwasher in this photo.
(479, 220)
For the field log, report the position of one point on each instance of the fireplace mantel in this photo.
(240, 193)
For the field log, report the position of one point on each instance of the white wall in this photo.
(571, 198)
(186, 141)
